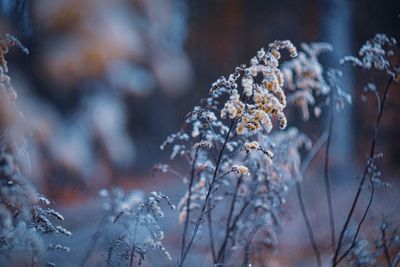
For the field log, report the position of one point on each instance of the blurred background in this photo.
(106, 81)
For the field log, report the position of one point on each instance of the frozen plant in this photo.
(115, 202)
(376, 54)
(383, 249)
(256, 202)
(25, 215)
(311, 86)
(231, 161)
(141, 231)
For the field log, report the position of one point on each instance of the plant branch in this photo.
(200, 220)
(353, 242)
(308, 226)
(230, 214)
(186, 225)
(93, 240)
(327, 182)
(303, 167)
(210, 231)
(363, 178)
(221, 252)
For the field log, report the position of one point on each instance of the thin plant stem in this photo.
(210, 231)
(93, 240)
(199, 220)
(308, 226)
(186, 224)
(353, 242)
(364, 176)
(305, 164)
(231, 210)
(313, 152)
(221, 253)
(247, 254)
(327, 182)
(134, 243)
(396, 260)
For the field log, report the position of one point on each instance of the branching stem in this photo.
(335, 260)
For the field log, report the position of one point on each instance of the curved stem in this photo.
(186, 225)
(327, 183)
(308, 225)
(230, 214)
(364, 176)
(221, 253)
(200, 219)
(93, 240)
(134, 243)
(210, 231)
(305, 164)
(353, 242)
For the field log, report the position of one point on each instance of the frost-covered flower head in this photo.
(376, 53)
(304, 78)
(259, 102)
(309, 85)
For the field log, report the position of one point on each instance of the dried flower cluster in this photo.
(233, 161)
(309, 84)
(259, 102)
(376, 54)
(239, 171)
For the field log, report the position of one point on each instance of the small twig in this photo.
(223, 175)
(215, 135)
(230, 214)
(378, 99)
(233, 137)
